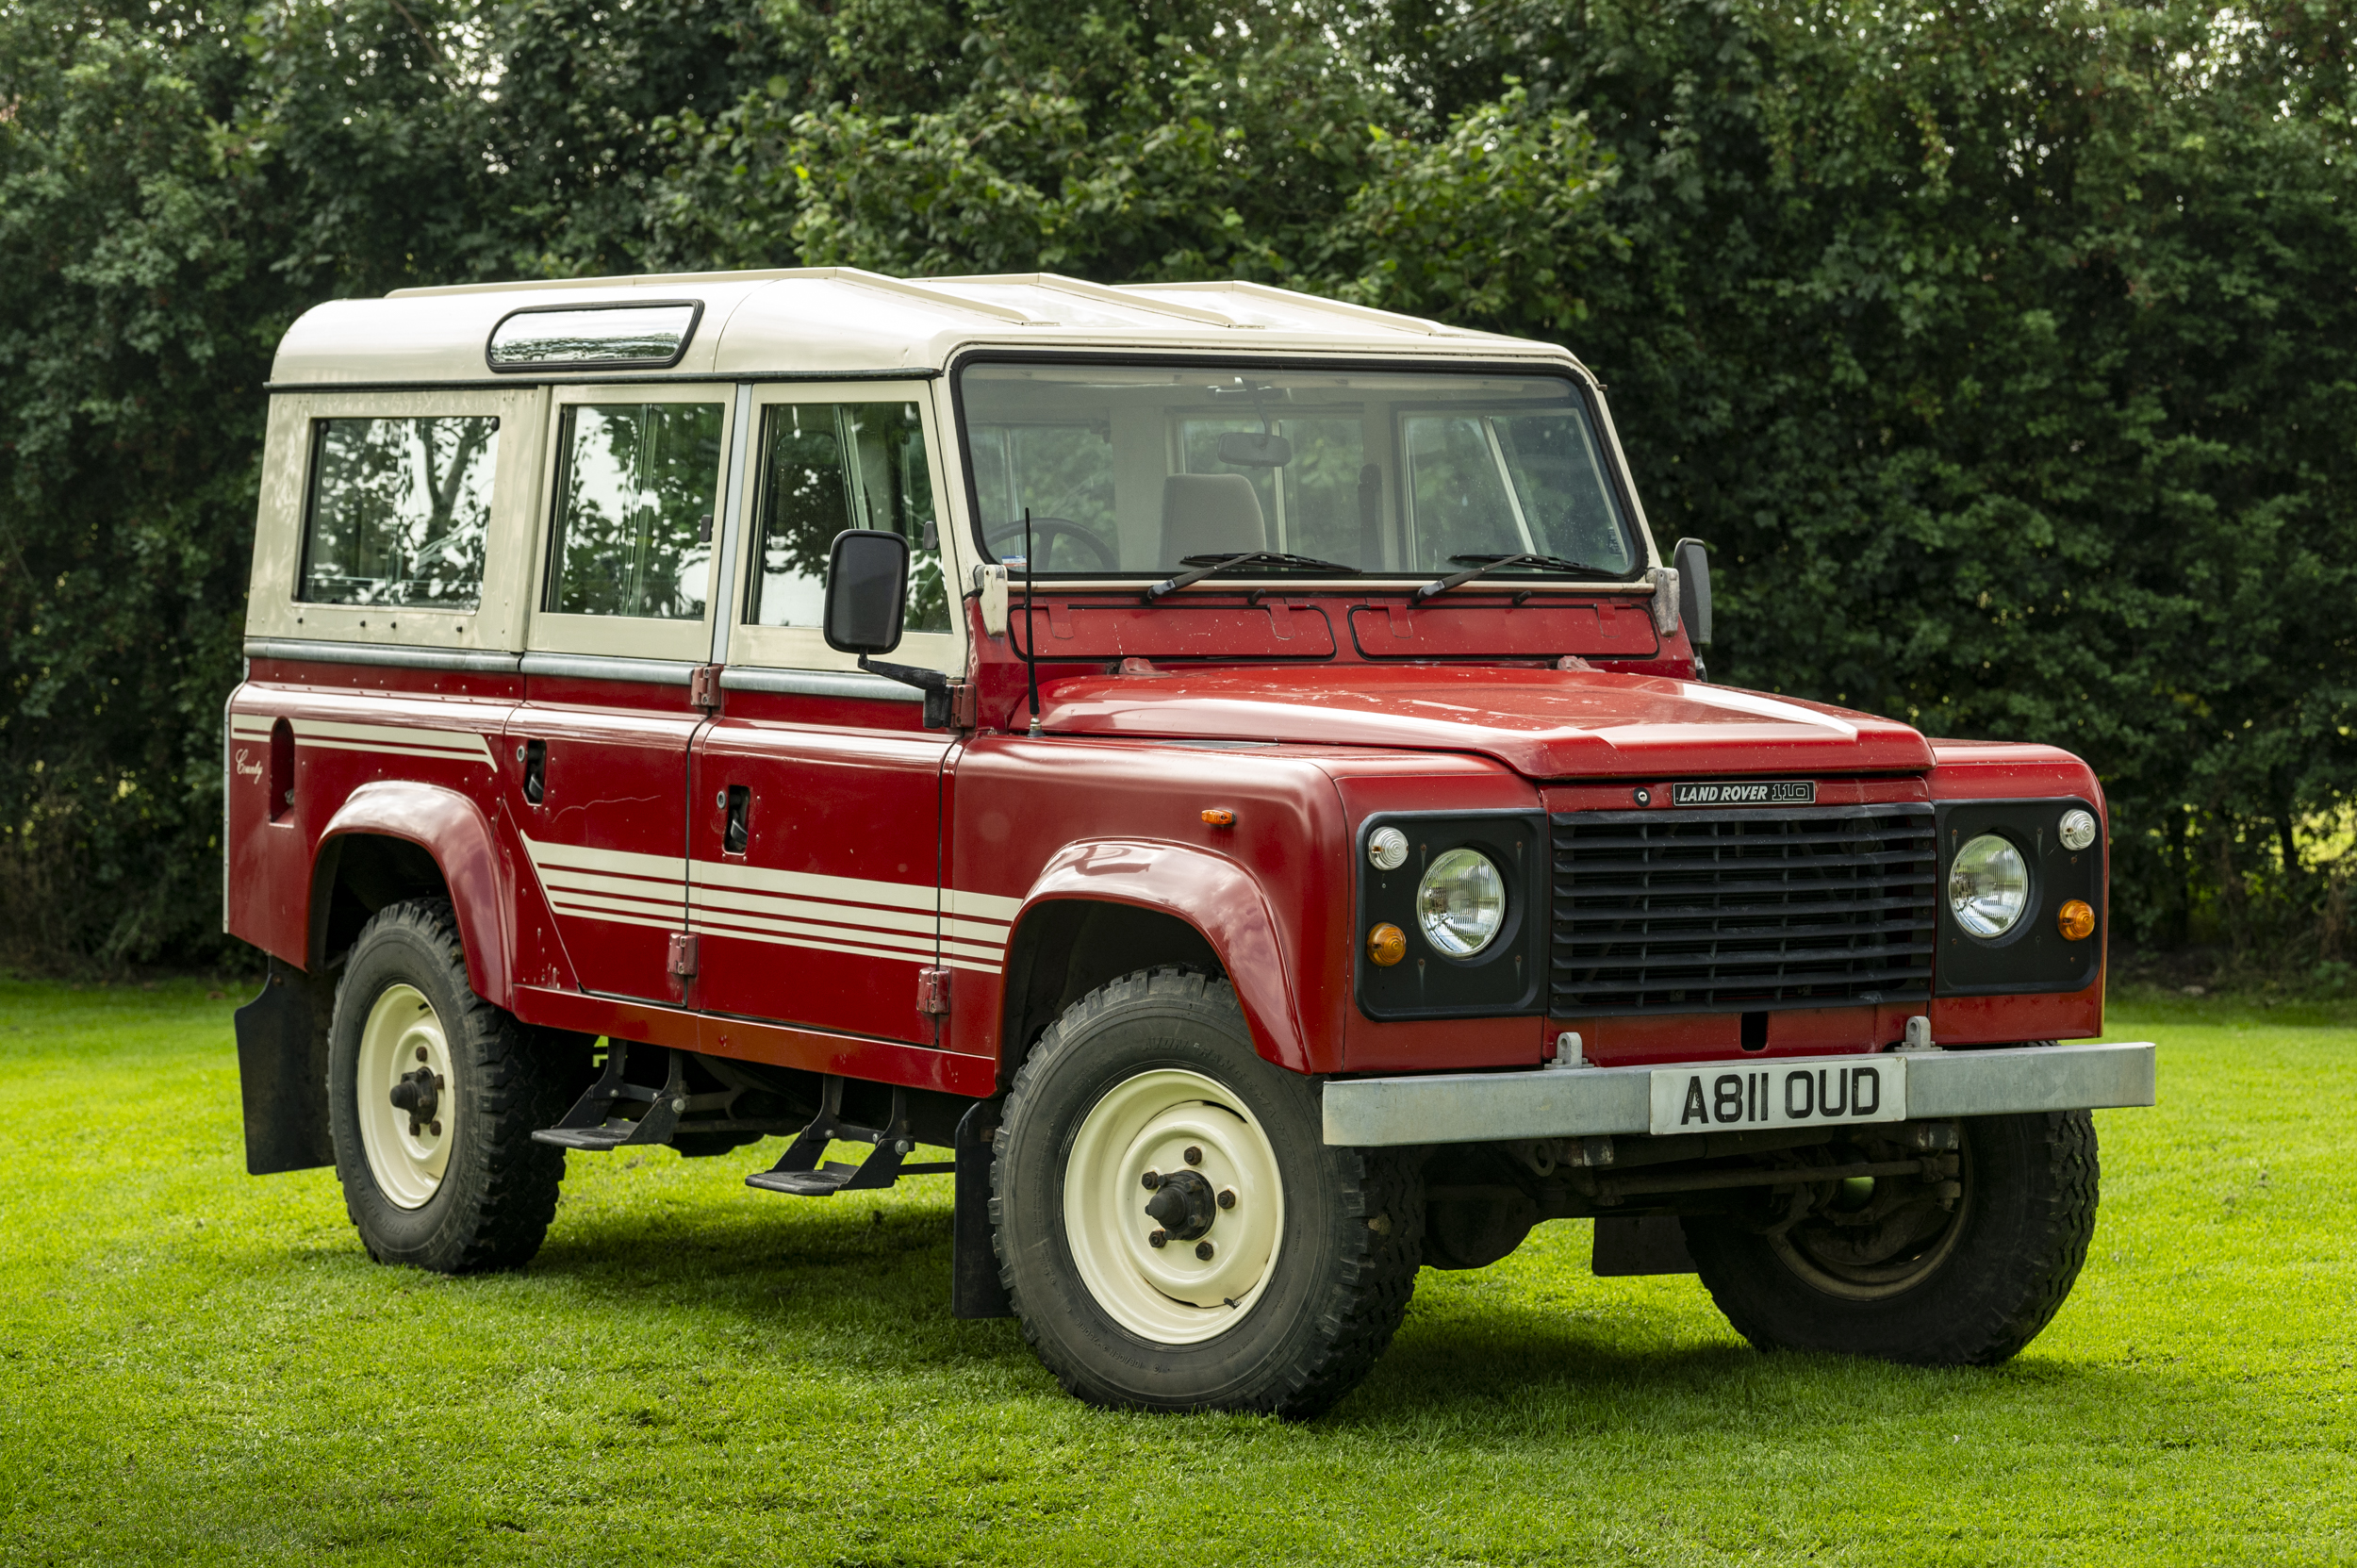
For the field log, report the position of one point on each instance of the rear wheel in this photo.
(1173, 1231)
(432, 1095)
(1956, 1271)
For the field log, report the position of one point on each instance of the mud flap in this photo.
(282, 1071)
(975, 1288)
(1654, 1243)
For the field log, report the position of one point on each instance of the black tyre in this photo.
(1962, 1272)
(432, 1095)
(1284, 1265)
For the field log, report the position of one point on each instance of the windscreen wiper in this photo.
(1484, 564)
(1204, 566)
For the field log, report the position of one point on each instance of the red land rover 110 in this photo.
(1231, 766)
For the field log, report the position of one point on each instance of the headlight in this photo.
(2078, 829)
(1461, 902)
(1988, 886)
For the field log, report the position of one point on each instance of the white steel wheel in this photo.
(408, 1114)
(1180, 1141)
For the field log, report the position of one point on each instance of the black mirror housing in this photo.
(867, 591)
(1692, 559)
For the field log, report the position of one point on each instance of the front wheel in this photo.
(1172, 1227)
(1962, 1271)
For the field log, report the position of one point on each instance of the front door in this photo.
(597, 756)
(814, 855)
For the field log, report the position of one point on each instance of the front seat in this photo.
(1210, 513)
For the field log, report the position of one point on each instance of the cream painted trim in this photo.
(627, 637)
(496, 624)
(805, 647)
(397, 740)
(852, 916)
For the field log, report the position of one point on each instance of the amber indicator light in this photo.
(2075, 920)
(1386, 945)
(1219, 817)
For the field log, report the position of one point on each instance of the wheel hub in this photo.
(1184, 1265)
(1183, 1205)
(407, 1111)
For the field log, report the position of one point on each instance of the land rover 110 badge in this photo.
(1769, 792)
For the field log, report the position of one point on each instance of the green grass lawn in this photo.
(200, 1365)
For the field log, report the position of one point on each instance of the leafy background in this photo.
(2003, 351)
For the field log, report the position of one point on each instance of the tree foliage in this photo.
(2001, 348)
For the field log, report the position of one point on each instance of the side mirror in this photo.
(1693, 563)
(867, 591)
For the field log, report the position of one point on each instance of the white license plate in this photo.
(1713, 1097)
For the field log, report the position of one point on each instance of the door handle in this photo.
(739, 830)
(534, 754)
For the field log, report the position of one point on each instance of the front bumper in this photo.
(1467, 1108)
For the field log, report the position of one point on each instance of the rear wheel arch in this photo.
(396, 840)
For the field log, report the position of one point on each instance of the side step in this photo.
(799, 1172)
(598, 1120)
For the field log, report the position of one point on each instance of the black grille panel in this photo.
(1733, 911)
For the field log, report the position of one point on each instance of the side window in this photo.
(826, 466)
(635, 501)
(398, 511)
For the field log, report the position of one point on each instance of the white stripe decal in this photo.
(848, 890)
(989, 906)
(856, 916)
(335, 736)
(851, 916)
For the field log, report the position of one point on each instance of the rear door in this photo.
(815, 858)
(596, 757)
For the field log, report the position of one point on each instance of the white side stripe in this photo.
(908, 922)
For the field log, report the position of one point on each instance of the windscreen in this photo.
(1129, 468)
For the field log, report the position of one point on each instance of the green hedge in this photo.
(2003, 353)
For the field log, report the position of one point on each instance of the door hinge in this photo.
(933, 991)
(704, 687)
(684, 954)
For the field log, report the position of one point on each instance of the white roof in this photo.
(840, 319)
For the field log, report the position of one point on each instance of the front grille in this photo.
(1731, 911)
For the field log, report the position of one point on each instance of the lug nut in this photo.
(420, 1053)
(1152, 1179)
(1195, 1155)
(435, 1128)
(1158, 1238)
(1203, 1250)
(1228, 1198)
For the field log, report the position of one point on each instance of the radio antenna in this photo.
(1031, 628)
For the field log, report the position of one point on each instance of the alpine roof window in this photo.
(604, 337)
(398, 510)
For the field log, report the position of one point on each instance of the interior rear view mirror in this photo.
(1254, 449)
(867, 585)
(1692, 560)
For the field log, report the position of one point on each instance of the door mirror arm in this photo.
(868, 588)
(936, 686)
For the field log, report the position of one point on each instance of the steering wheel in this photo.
(1045, 533)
